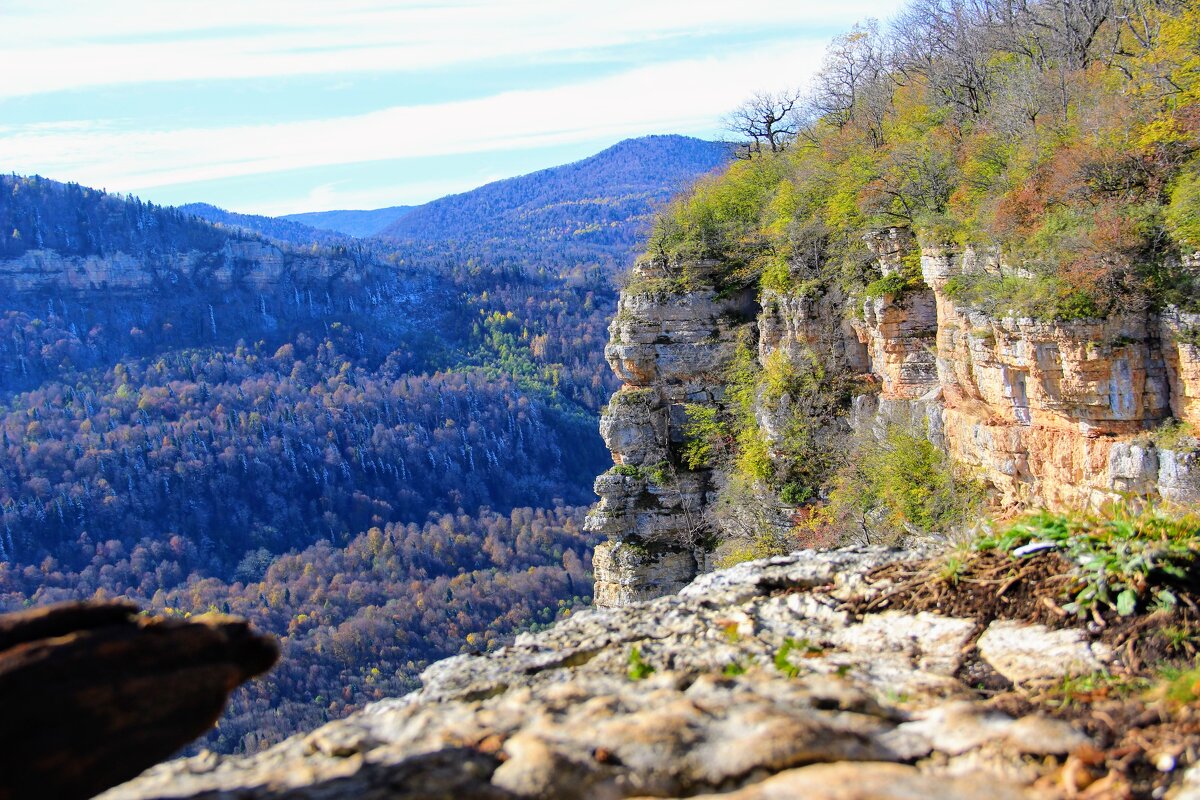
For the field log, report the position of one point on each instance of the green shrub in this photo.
(661, 473)
(1176, 435)
(795, 493)
(638, 668)
(1039, 297)
(783, 661)
(1183, 212)
(898, 486)
(725, 217)
(891, 285)
(752, 455)
(754, 525)
(777, 276)
(706, 436)
(1178, 688)
(1126, 559)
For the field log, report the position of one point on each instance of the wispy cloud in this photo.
(96, 91)
(683, 95)
(55, 45)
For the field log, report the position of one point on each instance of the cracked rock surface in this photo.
(752, 682)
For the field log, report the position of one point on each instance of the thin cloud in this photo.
(212, 58)
(75, 45)
(683, 95)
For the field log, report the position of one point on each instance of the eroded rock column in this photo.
(670, 350)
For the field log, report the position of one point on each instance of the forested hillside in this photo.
(351, 223)
(380, 454)
(1063, 134)
(594, 209)
(75, 220)
(278, 228)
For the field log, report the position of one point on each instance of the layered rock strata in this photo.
(669, 350)
(250, 263)
(753, 680)
(1046, 414)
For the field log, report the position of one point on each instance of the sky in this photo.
(282, 106)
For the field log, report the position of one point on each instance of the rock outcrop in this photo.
(93, 693)
(1052, 413)
(753, 682)
(249, 263)
(669, 350)
(1044, 414)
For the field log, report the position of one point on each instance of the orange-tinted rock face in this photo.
(1181, 351)
(1055, 414)
(1049, 414)
(899, 334)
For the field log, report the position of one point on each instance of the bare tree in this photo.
(767, 119)
(948, 42)
(853, 79)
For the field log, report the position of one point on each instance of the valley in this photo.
(347, 441)
(857, 458)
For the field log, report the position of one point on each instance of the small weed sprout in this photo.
(783, 661)
(638, 669)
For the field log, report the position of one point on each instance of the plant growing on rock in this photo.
(1125, 560)
(706, 435)
(1176, 435)
(638, 668)
(896, 487)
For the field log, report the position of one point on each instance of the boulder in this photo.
(94, 693)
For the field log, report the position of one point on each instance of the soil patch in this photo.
(1140, 742)
(991, 584)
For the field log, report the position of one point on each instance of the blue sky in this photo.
(278, 106)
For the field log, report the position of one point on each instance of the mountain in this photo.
(91, 279)
(277, 228)
(600, 200)
(593, 208)
(359, 224)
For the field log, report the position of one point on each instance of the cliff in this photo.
(237, 263)
(64, 237)
(1054, 414)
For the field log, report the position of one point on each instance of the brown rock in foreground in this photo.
(93, 693)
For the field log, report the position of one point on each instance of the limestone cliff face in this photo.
(253, 264)
(1053, 413)
(669, 350)
(1046, 414)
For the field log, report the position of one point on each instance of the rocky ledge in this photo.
(761, 681)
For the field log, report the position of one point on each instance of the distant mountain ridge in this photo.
(277, 228)
(359, 224)
(596, 205)
(600, 202)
